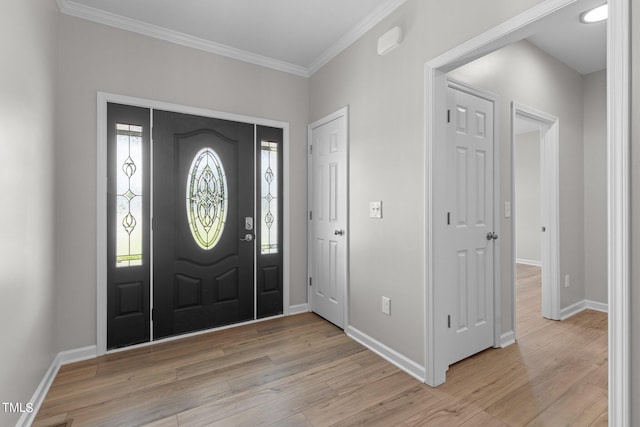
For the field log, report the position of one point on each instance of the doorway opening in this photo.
(536, 213)
(618, 179)
(536, 209)
(526, 220)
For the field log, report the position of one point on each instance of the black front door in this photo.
(203, 212)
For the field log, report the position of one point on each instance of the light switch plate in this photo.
(375, 209)
(386, 305)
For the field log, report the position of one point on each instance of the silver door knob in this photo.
(492, 236)
(247, 238)
(339, 232)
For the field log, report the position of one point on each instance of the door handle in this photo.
(492, 236)
(247, 238)
(339, 232)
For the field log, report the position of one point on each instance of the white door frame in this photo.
(549, 208)
(342, 112)
(101, 203)
(619, 182)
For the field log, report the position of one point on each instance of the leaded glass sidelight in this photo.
(206, 198)
(269, 197)
(128, 195)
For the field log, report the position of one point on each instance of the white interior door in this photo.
(328, 216)
(469, 256)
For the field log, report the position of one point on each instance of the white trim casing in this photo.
(596, 306)
(618, 206)
(618, 106)
(62, 358)
(348, 39)
(73, 8)
(390, 355)
(549, 207)
(101, 196)
(99, 16)
(507, 339)
(530, 262)
(101, 224)
(583, 305)
(298, 309)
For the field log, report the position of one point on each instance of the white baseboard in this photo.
(62, 358)
(576, 308)
(572, 310)
(597, 306)
(41, 392)
(529, 262)
(77, 355)
(297, 309)
(387, 353)
(507, 339)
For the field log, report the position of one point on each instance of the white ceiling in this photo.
(300, 36)
(582, 47)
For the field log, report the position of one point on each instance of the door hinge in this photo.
(448, 218)
(310, 149)
(449, 321)
(448, 116)
(310, 215)
(153, 312)
(309, 281)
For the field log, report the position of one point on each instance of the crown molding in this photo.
(72, 8)
(352, 36)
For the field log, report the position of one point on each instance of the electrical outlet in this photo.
(567, 280)
(386, 305)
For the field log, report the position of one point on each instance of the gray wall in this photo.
(95, 58)
(523, 73)
(527, 197)
(386, 100)
(595, 186)
(28, 50)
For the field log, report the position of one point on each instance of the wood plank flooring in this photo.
(303, 371)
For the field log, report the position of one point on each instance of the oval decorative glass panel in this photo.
(206, 198)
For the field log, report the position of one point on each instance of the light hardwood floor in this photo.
(303, 371)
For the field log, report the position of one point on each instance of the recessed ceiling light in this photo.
(596, 14)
